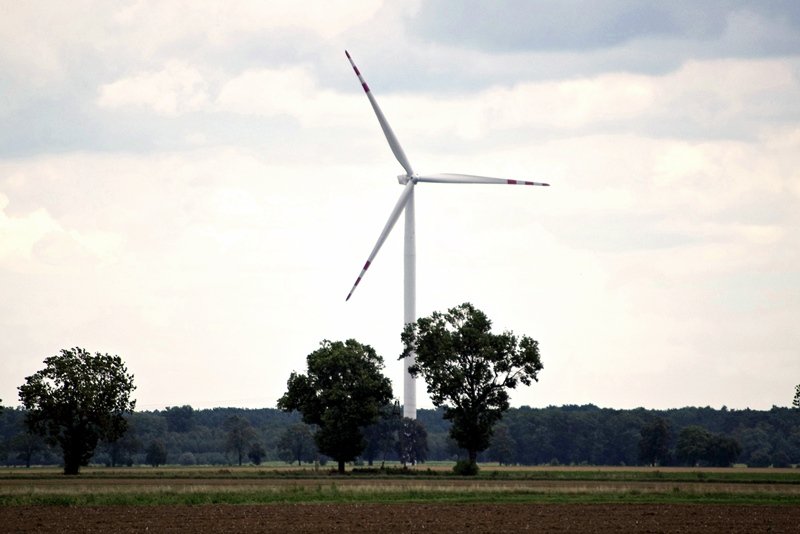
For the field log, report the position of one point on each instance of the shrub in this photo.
(465, 468)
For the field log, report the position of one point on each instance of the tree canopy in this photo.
(77, 400)
(469, 370)
(342, 391)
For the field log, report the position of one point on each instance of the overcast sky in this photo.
(194, 186)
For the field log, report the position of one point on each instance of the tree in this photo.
(697, 444)
(256, 452)
(693, 443)
(77, 400)
(296, 444)
(240, 435)
(796, 401)
(469, 370)
(654, 444)
(342, 391)
(722, 451)
(156, 453)
(412, 442)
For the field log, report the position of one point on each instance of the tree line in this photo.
(565, 435)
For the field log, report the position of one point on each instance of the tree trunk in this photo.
(72, 459)
(473, 456)
(341, 467)
(72, 465)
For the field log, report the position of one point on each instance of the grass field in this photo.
(425, 484)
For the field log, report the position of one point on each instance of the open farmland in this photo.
(501, 500)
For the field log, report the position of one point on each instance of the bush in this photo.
(187, 458)
(465, 468)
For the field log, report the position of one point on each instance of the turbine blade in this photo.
(394, 144)
(398, 209)
(448, 178)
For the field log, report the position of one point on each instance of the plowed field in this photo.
(317, 518)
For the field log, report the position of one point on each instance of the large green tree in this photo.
(342, 391)
(469, 370)
(76, 400)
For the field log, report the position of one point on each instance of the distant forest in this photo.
(567, 435)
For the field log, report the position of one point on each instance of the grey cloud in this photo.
(574, 25)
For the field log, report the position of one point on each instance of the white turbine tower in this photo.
(406, 202)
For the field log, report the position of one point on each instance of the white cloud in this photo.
(18, 235)
(177, 88)
(38, 242)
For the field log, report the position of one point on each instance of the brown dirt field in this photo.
(383, 518)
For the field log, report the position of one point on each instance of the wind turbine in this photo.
(406, 202)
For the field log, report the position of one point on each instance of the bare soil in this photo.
(382, 518)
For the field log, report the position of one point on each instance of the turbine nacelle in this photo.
(403, 179)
